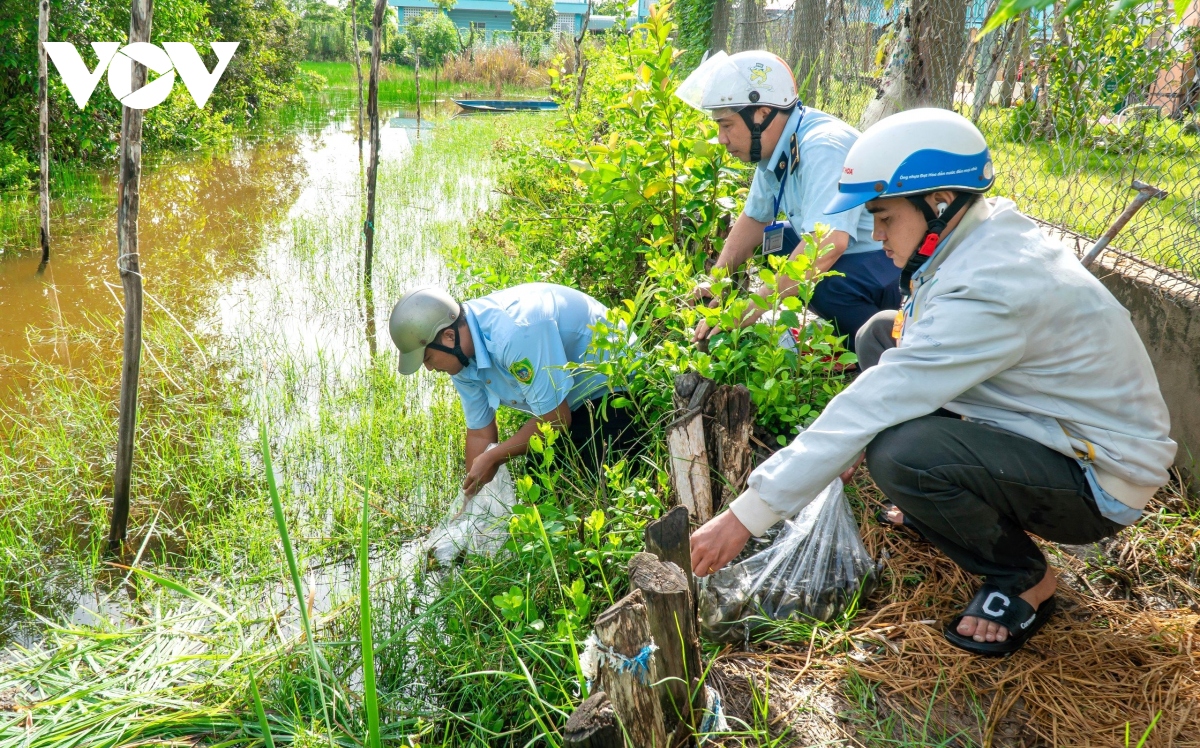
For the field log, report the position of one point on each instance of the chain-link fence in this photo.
(1075, 108)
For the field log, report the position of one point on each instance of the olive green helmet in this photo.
(416, 321)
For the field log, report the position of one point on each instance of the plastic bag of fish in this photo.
(813, 569)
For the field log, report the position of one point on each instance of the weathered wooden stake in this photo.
(130, 164)
(672, 622)
(624, 631)
(417, 78)
(690, 462)
(357, 71)
(44, 127)
(729, 418)
(593, 725)
(373, 114)
(669, 538)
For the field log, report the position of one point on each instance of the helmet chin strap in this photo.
(935, 224)
(756, 129)
(457, 350)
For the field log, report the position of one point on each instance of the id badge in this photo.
(773, 239)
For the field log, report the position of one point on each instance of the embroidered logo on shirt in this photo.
(522, 370)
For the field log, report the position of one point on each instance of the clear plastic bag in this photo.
(813, 570)
(478, 526)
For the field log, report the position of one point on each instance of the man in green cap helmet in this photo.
(513, 348)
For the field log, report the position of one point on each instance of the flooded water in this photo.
(211, 230)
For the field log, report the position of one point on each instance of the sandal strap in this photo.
(1010, 611)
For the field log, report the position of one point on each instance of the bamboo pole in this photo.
(130, 164)
(373, 167)
(44, 127)
(357, 70)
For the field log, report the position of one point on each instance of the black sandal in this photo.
(1010, 611)
(881, 518)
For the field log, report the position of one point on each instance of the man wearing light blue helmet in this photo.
(1010, 395)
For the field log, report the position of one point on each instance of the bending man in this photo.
(512, 348)
(1014, 397)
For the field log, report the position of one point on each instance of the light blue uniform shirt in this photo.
(524, 337)
(811, 152)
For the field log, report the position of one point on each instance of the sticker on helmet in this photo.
(522, 370)
(758, 75)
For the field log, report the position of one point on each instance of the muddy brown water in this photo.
(204, 223)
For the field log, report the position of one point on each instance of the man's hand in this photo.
(848, 474)
(717, 542)
(702, 293)
(481, 473)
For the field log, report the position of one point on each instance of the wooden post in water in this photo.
(357, 72)
(44, 127)
(417, 78)
(373, 167)
(130, 165)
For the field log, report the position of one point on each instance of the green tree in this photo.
(434, 35)
(533, 15)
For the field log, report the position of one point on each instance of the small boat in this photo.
(506, 105)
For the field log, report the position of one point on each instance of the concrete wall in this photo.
(1165, 307)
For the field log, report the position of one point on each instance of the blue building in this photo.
(489, 16)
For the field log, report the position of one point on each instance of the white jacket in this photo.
(1006, 328)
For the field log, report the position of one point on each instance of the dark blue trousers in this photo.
(869, 284)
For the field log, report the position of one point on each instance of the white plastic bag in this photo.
(480, 526)
(812, 571)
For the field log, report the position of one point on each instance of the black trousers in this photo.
(975, 491)
(604, 438)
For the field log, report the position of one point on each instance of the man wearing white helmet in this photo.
(515, 348)
(1010, 395)
(799, 151)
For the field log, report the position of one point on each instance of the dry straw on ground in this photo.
(1121, 649)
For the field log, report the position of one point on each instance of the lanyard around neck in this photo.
(796, 156)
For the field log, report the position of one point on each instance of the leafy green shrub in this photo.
(15, 170)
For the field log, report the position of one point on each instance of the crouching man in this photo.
(1010, 396)
(512, 348)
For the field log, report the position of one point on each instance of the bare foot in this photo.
(988, 631)
(894, 515)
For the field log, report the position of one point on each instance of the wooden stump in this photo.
(730, 455)
(669, 538)
(593, 725)
(690, 475)
(624, 631)
(672, 619)
(709, 443)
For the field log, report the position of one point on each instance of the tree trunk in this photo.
(44, 128)
(720, 26)
(357, 71)
(939, 43)
(989, 55)
(1016, 55)
(373, 166)
(130, 161)
(750, 31)
(807, 40)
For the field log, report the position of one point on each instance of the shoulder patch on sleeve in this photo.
(522, 370)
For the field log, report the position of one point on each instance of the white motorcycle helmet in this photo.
(742, 83)
(911, 154)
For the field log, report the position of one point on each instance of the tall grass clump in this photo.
(496, 66)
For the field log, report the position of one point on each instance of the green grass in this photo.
(350, 439)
